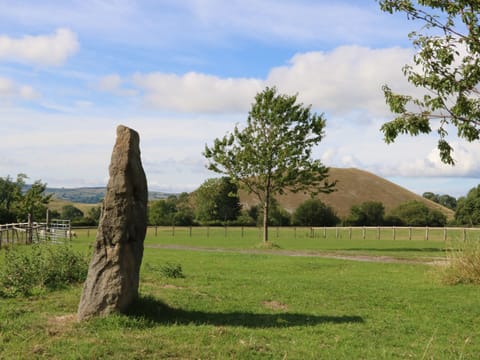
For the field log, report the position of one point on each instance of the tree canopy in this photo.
(313, 212)
(216, 200)
(447, 66)
(18, 200)
(444, 200)
(369, 213)
(416, 213)
(175, 210)
(468, 208)
(272, 154)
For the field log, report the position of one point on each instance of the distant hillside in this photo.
(354, 187)
(92, 195)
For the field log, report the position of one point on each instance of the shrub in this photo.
(171, 270)
(32, 269)
(463, 265)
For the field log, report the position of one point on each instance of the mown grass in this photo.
(256, 306)
(295, 239)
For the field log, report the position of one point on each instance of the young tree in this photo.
(34, 202)
(447, 67)
(272, 153)
(277, 215)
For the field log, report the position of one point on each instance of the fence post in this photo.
(444, 234)
(294, 232)
(324, 232)
(29, 230)
(190, 231)
(242, 231)
(394, 233)
(336, 232)
(156, 230)
(350, 233)
(464, 234)
(378, 233)
(426, 233)
(208, 231)
(409, 233)
(363, 233)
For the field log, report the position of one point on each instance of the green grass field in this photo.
(240, 302)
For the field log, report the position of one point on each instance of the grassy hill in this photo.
(91, 195)
(354, 187)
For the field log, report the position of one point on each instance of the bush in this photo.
(173, 271)
(463, 265)
(314, 212)
(416, 213)
(369, 213)
(32, 269)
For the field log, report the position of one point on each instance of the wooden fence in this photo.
(351, 232)
(397, 233)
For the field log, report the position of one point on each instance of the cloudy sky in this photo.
(185, 72)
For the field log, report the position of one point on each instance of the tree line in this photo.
(217, 202)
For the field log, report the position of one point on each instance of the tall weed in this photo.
(28, 270)
(463, 265)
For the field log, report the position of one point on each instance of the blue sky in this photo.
(183, 73)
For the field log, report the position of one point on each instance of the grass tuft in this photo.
(463, 265)
(267, 245)
(172, 271)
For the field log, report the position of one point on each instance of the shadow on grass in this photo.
(157, 312)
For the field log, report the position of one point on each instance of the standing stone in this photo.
(113, 275)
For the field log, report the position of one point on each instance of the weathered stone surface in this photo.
(113, 275)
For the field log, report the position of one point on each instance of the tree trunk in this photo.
(265, 221)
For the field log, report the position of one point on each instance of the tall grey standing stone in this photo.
(113, 275)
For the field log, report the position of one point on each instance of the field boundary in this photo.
(396, 232)
(337, 232)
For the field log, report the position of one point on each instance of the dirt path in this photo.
(306, 253)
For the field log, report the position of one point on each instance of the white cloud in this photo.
(345, 79)
(110, 82)
(9, 89)
(429, 164)
(342, 81)
(47, 50)
(195, 92)
(113, 83)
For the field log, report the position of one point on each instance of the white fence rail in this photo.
(28, 232)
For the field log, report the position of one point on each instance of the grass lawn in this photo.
(259, 306)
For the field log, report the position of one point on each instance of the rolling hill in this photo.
(354, 187)
(92, 195)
